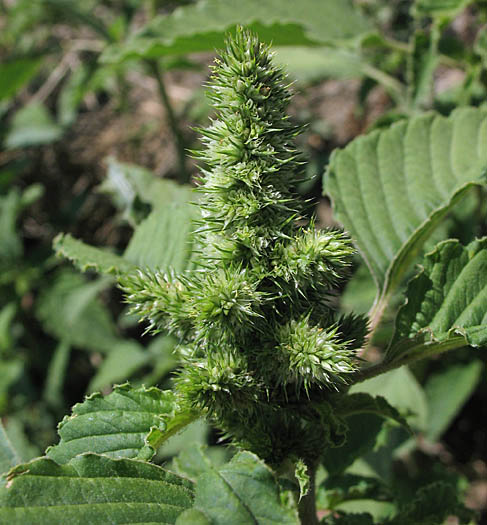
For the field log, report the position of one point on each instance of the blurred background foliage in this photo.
(99, 101)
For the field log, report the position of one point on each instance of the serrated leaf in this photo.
(202, 26)
(118, 425)
(164, 240)
(446, 304)
(362, 403)
(93, 489)
(8, 455)
(86, 257)
(244, 491)
(447, 391)
(391, 188)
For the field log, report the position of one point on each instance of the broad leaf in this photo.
(203, 25)
(446, 304)
(86, 257)
(93, 489)
(118, 425)
(8, 456)
(244, 491)
(447, 391)
(164, 240)
(391, 188)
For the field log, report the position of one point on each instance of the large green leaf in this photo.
(119, 424)
(203, 25)
(391, 188)
(446, 304)
(86, 257)
(244, 491)
(93, 489)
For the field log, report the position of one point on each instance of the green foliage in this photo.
(203, 26)
(391, 188)
(244, 292)
(118, 425)
(243, 491)
(93, 489)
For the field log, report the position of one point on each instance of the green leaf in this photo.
(192, 462)
(8, 456)
(431, 506)
(56, 373)
(310, 64)
(82, 320)
(362, 433)
(350, 487)
(446, 392)
(164, 240)
(244, 491)
(86, 257)
(362, 403)
(119, 424)
(32, 126)
(129, 185)
(93, 489)
(446, 304)
(391, 188)
(123, 360)
(202, 26)
(400, 388)
(14, 74)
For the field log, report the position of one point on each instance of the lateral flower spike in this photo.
(261, 348)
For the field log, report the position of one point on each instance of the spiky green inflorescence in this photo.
(262, 348)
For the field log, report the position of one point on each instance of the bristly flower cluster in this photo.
(262, 349)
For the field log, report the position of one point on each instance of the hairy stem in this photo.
(307, 504)
(172, 121)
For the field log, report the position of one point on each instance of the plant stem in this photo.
(172, 121)
(307, 504)
(414, 353)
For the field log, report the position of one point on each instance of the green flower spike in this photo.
(262, 350)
